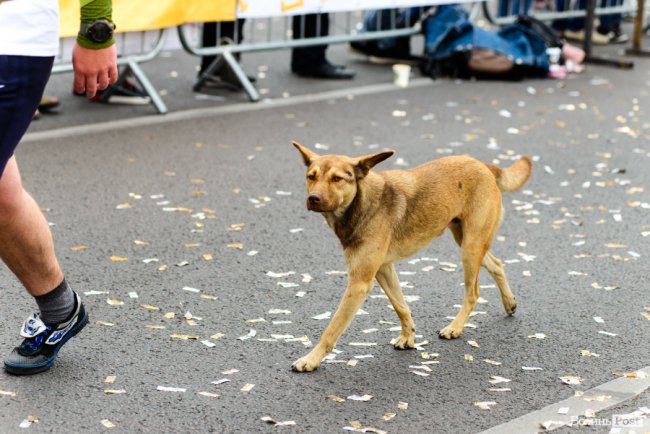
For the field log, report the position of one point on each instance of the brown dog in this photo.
(383, 217)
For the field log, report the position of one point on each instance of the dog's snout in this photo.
(314, 199)
(315, 202)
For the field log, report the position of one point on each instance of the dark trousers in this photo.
(309, 26)
(514, 7)
(212, 32)
(22, 82)
(575, 24)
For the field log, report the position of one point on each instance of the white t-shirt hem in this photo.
(29, 28)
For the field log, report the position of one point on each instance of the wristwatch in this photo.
(99, 31)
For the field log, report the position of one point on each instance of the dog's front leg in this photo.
(354, 296)
(388, 280)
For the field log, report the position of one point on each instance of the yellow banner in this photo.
(279, 8)
(133, 16)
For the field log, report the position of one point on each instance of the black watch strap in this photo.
(99, 31)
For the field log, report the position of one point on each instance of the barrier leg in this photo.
(156, 100)
(216, 64)
(636, 49)
(589, 28)
(250, 90)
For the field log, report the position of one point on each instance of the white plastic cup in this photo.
(401, 74)
(554, 54)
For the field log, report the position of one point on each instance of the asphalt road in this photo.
(191, 213)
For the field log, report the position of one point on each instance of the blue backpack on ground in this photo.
(455, 48)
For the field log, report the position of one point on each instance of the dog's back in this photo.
(423, 201)
(466, 168)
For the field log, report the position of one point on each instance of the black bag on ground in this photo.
(541, 29)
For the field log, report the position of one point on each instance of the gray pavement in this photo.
(161, 207)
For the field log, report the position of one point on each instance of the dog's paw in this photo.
(404, 342)
(510, 306)
(449, 333)
(304, 364)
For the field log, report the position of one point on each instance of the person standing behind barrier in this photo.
(311, 61)
(28, 43)
(610, 25)
(221, 33)
(514, 7)
(574, 28)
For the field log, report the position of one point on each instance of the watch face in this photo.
(100, 32)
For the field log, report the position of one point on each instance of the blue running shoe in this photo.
(43, 342)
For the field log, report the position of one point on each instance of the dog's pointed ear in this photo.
(307, 155)
(364, 164)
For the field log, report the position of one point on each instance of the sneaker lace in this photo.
(35, 342)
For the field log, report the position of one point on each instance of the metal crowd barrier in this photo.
(263, 34)
(501, 12)
(134, 48)
(276, 33)
(639, 31)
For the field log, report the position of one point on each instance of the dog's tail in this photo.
(513, 177)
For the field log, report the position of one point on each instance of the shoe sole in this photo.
(392, 61)
(214, 85)
(317, 75)
(599, 42)
(46, 108)
(129, 100)
(378, 60)
(44, 366)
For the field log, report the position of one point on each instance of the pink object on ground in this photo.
(573, 53)
(557, 71)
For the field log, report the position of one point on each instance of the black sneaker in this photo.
(43, 342)
(225, 78)
(614, 33)
(328, 71)
(618, 37)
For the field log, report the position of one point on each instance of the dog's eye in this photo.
(336, 179)
(311, 177)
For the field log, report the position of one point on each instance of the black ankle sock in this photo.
(57, 305)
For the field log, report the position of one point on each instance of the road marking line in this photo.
(207, 112)
(620, 390)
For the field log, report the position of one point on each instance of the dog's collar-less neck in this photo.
(345, 226)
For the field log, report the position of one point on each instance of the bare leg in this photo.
(26, 244)
(387, 278)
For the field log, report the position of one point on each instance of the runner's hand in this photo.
(94, 69)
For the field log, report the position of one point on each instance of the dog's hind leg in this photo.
(495, 267)
(388, 280)
(456, 229)
(473, 247)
